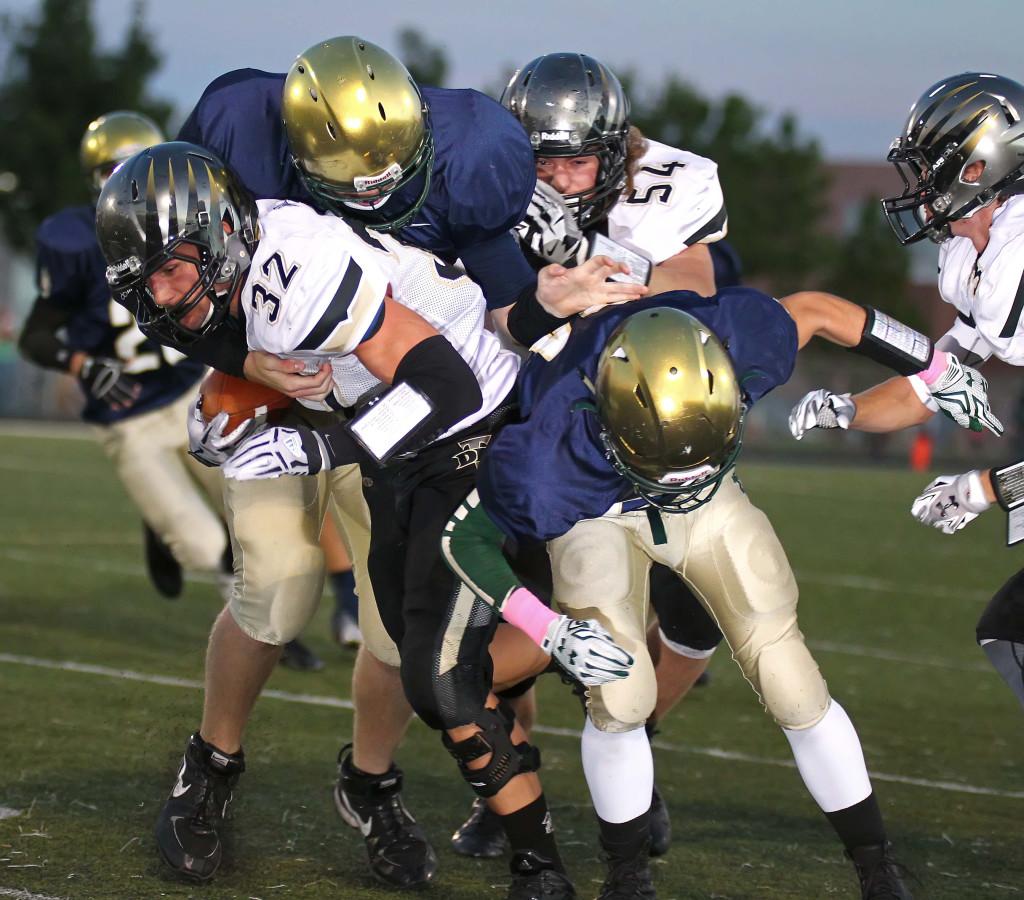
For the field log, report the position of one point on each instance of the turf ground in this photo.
(99, 690)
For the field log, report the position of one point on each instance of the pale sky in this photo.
(849, 71)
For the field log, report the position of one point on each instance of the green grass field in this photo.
(99, 691)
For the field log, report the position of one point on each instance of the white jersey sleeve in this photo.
(676, 202)
(315, 289)
(987, 289)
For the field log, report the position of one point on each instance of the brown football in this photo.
(240, 399)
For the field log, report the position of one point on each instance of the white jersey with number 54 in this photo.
(676, 202)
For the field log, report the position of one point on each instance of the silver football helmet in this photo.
(958, 122)
(572, 105)
(670, 407)
(158, 201)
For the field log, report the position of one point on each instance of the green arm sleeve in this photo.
(471, 544)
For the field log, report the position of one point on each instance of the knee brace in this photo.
(494, 739)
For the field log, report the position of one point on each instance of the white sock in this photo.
(830, 760)
(620, 772)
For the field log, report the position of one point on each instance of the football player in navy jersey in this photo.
(136, 390)
(480, 169)
(630, 426)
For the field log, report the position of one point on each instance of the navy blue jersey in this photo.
(543, 474)
(480, 187)
(71, 275)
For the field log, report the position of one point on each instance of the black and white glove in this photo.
(821, 409)
(278, 451)
(962, 395)
(951, 501)
(550, 229)
(586, 651)
(105, 379)
(207, 441)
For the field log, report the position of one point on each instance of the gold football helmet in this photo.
(110, 140)
(669, 404)
(358, 130)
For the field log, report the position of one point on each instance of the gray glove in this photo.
(105, 379)
(207, 441)
(951, 501)
(821, 409)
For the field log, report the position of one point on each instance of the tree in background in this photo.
(772, 178)
(870, 266)
(426, 62)
(56, 81)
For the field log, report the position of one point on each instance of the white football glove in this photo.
(276, 452)
(586, 651)
(207, 441)
(550, 229)
(951, 501)
(821, 409)
(962, 394)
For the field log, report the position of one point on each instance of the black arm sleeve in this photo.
(40, 341)
(224, 349)
(435, 368)
(528, 321)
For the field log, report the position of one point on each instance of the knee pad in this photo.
(494, 739)
(790, 686)
(625, 705)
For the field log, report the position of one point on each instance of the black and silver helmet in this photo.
(963, 120)
(670, 407)
(156, 202)
(572, 105)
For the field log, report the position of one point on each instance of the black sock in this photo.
(343, 586)
(859, 824)
(626, 839)
(530, 828)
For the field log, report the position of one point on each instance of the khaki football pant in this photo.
(275, 528)
(727, 551)
(172, 492)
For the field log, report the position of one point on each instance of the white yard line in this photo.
(24, 895)
(339, 703)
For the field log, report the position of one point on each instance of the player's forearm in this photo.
(889, 406)
(690, 270)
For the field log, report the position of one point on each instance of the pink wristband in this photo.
(940, 359)
(524, 610)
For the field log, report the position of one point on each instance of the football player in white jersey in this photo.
(961, 154)
(188, 247)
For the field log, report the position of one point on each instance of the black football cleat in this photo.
(481, 835)
(881, 877)
(661, 825)
(534, 877)
(399, 853)
(629, 878)
(186, 830)
(296, 655)
(164, 570)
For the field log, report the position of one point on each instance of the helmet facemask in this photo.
(669, 408)
(156, 204)
(958, 123)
